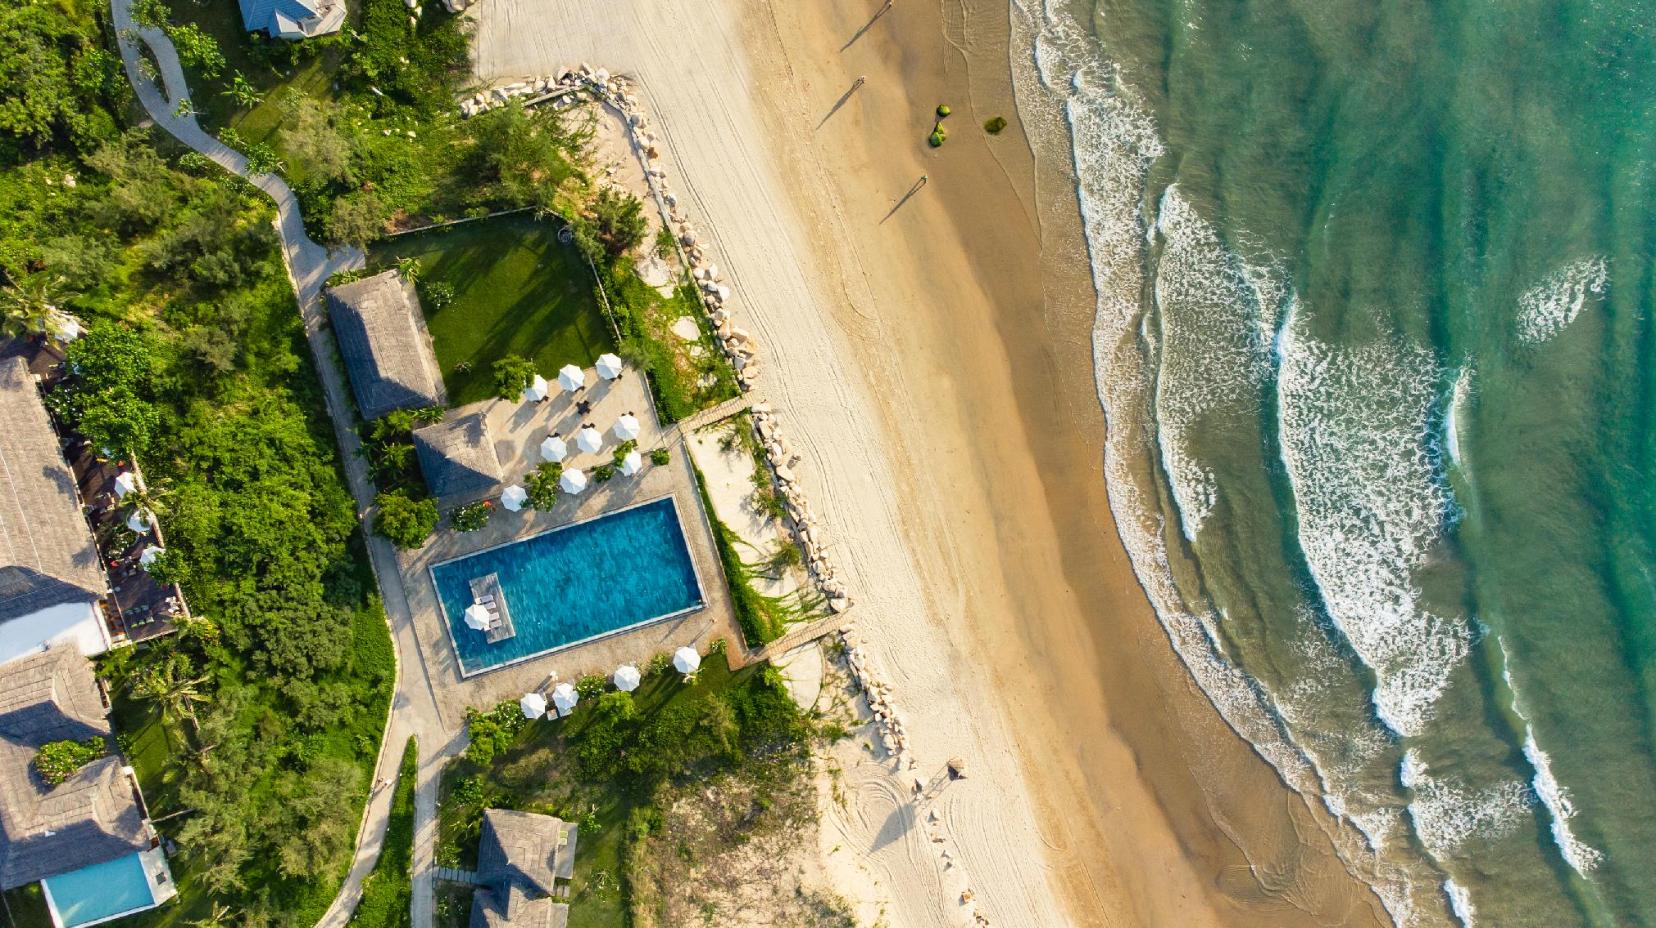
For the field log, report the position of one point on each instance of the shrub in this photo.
(542, 485)
(57, 761)
(436, 294)
(492, 732)
(591, 686)
(618, 220)
(937, 137)
(472, 516)
(622, 450)
(660, 457)
(513, 374)
(405, 521)
(995, 125)
(943, 111)
(603, 472)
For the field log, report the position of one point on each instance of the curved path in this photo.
(414, 711)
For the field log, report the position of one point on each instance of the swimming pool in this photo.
(574, 584)
(99, 892)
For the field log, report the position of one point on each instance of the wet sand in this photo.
(932, 356)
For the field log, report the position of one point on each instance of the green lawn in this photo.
(517, 290)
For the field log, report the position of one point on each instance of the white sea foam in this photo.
(1546, 308)
(1447, 814)
(1581, 857)
(1460, 903)
(1354, 426)
(1459, 396)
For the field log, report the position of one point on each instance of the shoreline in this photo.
(962, 450)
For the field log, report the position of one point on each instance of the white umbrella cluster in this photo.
(626, 428)
(589, 439)
(631, 463)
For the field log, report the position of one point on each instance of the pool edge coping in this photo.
(448, 625)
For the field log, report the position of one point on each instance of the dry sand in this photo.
(940, 387)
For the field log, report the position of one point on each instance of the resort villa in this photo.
(51, 581)
(383, 339)
(458, 457)
(86, 839)
(524, 862)
(293, 19)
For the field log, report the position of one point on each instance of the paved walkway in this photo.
(414, 709)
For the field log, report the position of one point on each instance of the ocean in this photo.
(1374, 339)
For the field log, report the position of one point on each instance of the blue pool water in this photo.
(574, 583)
(100, 891)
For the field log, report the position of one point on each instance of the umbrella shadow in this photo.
(844, 98)
(884, 9)
(906, 197)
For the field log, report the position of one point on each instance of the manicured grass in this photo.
(387, 890)
(517, 290)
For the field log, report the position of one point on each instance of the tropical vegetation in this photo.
(57, 761)
(387, 889)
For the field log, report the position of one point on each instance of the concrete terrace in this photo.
(517, 429)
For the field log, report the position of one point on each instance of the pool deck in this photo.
(517, 430)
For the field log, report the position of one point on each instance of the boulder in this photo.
(838, 604)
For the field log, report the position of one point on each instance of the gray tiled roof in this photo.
(382, 337)
(519, 860)
(458, 456)
(92, 817)
(47, 556)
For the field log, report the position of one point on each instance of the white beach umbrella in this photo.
(609, 366)
(626, 427)
(477, 616)
(686, 660)
(140, 520)
(65, 328)
(536, 391)
(150, 554)
(589, 439)
(565, 698)
(626, 678)
(513, 497)
(573, 480)
(571, 378)
(554, 449)
(533, 705)
(632, 463)
(125, 483)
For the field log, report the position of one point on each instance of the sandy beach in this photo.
(931, 358)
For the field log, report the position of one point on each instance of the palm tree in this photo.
(220, 917)
(243, 92)
(174, 693)
(30, 306)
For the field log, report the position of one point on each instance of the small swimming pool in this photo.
(574, 583)
(99, 892)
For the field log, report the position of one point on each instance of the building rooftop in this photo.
(90, 818)
(47, 555)
(458, 456)
(520, 860)
(382, 337)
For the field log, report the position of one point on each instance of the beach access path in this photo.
(415, 711)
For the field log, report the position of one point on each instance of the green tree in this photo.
(242, 91)
(57, 761)
(30, 306)
(175, 690)
(319, 147)
(405, 521)
(512, 375)
(357, 219)
(542, 485)
(197, 49)
(618, 220)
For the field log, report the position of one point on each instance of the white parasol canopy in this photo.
(150, 554)
(626, 678)
(565, 698)
(533, 705)
(686, 660)
(64, 327)
(626, 427)
(609, 366)
(573, 480)
(536, 391)
(571, 378)
(125, 483)
(140, 520)
(554, 449)
(589, 439)
(513, 497)
(632, 463)
(477, 617)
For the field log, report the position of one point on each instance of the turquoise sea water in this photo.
(574, 583)
(101, 891)
(1374, 337)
